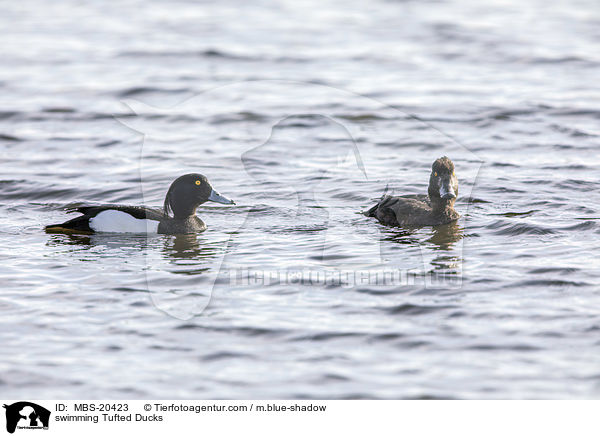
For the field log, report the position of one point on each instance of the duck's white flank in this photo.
(121, 222)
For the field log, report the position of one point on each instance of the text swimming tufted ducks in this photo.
(433, 209)
(185, 194)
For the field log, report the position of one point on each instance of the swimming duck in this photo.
(185, 194)
(422, 210)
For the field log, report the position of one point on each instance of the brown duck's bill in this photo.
(446, 191)
(218, 198)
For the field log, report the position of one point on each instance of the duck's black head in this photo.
(188, 192)
(443, 184)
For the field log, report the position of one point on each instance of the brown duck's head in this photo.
(443, 184)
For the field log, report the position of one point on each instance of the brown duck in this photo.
(433, 209)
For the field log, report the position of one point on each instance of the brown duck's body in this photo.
(434, 209)
(410, 211)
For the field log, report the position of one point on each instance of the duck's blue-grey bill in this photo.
(446, 192)
(218, 198)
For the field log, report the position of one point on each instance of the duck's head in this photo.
(443, 184)
(188, 192)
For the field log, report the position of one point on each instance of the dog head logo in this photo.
(24, 414)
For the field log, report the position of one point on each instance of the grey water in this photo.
(304, 113)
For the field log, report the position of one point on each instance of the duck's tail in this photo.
(56, 228)
(78, 224)
(371, 212)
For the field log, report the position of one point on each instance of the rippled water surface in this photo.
(303, 113)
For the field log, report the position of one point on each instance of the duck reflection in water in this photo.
(446, 266)
(190, 250)
(439, 247)
(443, 237)
(178, 247)
(99, 240)
(190, 246)
(68, 239)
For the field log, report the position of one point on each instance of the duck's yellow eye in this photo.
(435, 174)
(198, 182)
